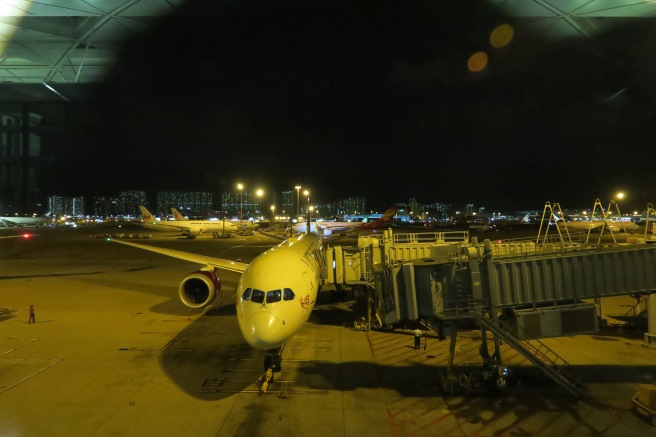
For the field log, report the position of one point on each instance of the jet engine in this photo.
(199, 289)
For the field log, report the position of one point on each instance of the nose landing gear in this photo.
(272, 365)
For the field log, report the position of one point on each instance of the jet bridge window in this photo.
(288, 294)
(247, 294)
(257, 296)
(273, 296)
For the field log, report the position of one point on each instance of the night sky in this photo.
(375, 99)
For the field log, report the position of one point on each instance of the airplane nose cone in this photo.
(266, 331)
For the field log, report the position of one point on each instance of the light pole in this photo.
(307, 207)
(240, 187)
(259, 193)
(298, 192)
(273, 215)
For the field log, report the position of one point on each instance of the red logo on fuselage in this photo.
(305, 302)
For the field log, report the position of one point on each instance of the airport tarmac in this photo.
(114, 352)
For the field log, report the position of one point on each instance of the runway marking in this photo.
(176, 338)
(28, 340)
(56, 361)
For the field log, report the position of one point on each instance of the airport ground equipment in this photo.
(272, 365)
(520, 291)
(644, 402)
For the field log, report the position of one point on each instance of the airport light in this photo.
(259, 193)
(240, 187)
(306, 193)
(273, 216)
(298, 195)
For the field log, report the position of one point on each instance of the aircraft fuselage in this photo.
(278, 290)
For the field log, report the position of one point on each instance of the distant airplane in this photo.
(275, 294)
(613, 226)
(622, 226)
(328, 228)
(28, 222)
(191, 228)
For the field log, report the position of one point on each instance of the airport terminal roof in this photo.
(47, 47)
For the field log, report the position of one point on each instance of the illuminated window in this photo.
(257, 296)
(247, 294)
(273, 296)
(288, 294)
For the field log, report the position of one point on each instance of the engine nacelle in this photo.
(199, 289)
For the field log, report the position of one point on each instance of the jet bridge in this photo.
(355, 266)
(461, 280)
(520, 291)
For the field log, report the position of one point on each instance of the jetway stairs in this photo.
(539, 354)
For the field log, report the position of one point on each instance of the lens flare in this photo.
(477, 62)
(501, 36)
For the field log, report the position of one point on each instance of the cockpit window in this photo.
(288, 294)
(273, 296)
(247, 294)
(257, 296)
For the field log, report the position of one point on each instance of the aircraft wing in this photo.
(220, 263)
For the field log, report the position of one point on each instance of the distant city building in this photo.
(66, 206)
(129, 201)
(104, 206)
(198, 203)
(235, 201)
(126, 204)
(415, 209)
(344, 207)
(434, 212)
(287, 204)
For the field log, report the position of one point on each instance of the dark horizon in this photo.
(355, 99)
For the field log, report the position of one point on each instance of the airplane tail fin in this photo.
(383, 221)
(178, 217)
(146, 215)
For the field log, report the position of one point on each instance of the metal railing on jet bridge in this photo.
(409, 246)
(524, 247)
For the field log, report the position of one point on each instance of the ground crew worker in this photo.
(417, 338)
(31, 315)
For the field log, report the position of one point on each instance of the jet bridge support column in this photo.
(650, 335)
(489, 300)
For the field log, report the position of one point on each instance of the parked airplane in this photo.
(190, 227)
(31, 221)
(613, 226)
(275, 294)
(328, 228)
